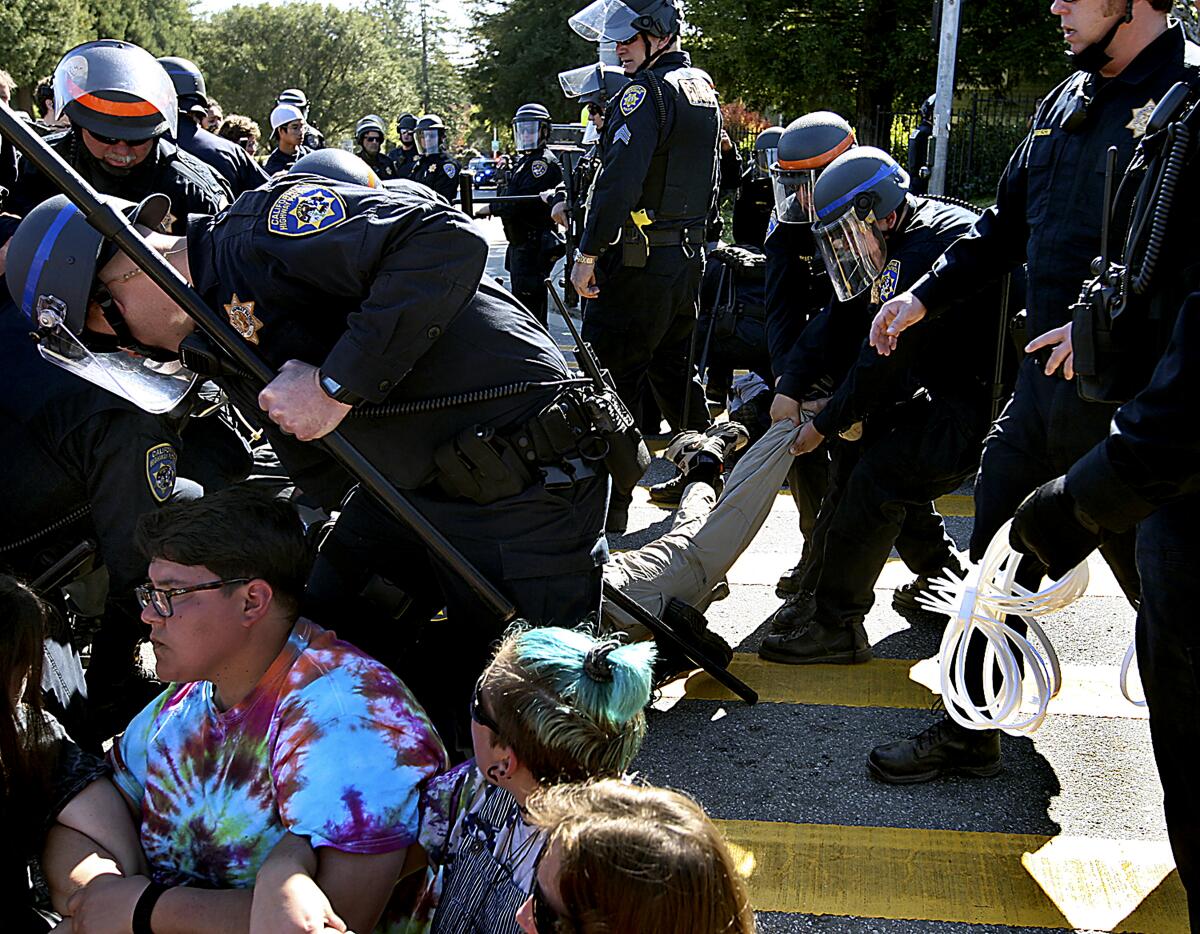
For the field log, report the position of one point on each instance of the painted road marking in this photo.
(959, 876)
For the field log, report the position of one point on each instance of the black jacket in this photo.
(439, 172)
(526, 220)
(229, 161)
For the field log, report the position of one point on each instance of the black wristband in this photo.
(144, 908)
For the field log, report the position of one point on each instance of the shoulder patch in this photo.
(306, 209)
(450, 169)
(623, 135)
(889, 280)
(632, 98)
(699, 92)
(160, 471)
(539, 168)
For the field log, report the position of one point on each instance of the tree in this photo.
(35, 33)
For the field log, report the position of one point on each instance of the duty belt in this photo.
(693, 236)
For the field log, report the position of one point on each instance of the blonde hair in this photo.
(639, 859)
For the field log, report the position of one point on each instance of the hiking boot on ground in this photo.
(797, 611)
(906, 599)
(700, 458)
(789, 583)
(818, 643)
(941, 749)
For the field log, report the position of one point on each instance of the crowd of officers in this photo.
(886, 313)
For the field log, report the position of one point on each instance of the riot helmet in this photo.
(429, 134)
(188, 82)
(296, 97)
(766, 149)
(856, 191)
(531, 127)
(594, 84)
(925, 112)
(337, 164)
(116, 91)
(406, 123)
(624, 20)
(53, 261)
(807, 145)
(367, 124)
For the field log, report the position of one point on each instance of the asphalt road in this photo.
(1068, 837)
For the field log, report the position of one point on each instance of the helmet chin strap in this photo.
(651, 57)
(1096, 56)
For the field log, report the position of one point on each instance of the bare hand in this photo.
(811, 408)
(896, 315)
(105, 905)
(1063, 354)
(583, 278)
(295, 401)
(785, 408)
(726, 142)
(296, 904)
(558, 214)
(808, 440)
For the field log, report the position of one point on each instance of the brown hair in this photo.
(640, 859)
(26, 754)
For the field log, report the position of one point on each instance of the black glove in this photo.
(1050, 527)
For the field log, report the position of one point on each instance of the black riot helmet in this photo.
(429, 134)
(531, 127)
(337, 164)
(807, 145)
(406, 123)
(116, 90)
(853, 194)
(623, 20)
(925, 112)
(367, 123)
(188, 82)
(594, 84)
(53, 262)
(766, 148)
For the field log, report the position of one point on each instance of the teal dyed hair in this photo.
(566, 716)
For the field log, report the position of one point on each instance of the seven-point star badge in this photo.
(241, 316)
(1141, 119)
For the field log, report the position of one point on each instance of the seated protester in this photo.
(272, 729)
(554, 705)
(626, 858)
(45, 779)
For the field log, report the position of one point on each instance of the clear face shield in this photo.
(125, 95)
(605, 21)
(579, 81)
(527, 135)
(854, 252)
(428, 141)
(150, 385)
(793, 190)
(764, 159)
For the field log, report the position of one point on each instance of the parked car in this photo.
(484, 171)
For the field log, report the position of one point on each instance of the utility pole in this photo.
(424, 13)
(947, 58)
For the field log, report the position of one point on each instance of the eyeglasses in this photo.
(149, 595)
(545, 918)
(372, 139)
(478, 714)
(116, 140)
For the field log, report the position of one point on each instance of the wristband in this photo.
(144, 908)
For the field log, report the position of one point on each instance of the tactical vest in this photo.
(682, 180)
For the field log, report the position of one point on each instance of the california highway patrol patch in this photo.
(160, 471)
(450, 169)
(632, 99)
(306, 209)
(538, 168)
(889, 279)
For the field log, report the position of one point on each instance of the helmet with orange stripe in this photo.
(116, 91)
(807, 145)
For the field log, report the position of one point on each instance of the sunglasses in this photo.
(372, 139)
(149, 595)
(116, 140)
(478, 714)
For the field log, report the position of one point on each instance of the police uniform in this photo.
(752, 209)
(313, 139)
(381, 165)
(279, 161)
(533, 243)
(924, 413)
(918, 156)
(439, 172)
(385, 291)
(658, 160)
(405, 160)
(167, 169)
(227, 159)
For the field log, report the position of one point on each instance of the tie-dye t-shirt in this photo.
(329, 745)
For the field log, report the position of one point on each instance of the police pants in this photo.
(1168, 648)
(528, 266)
(378, 588)
(1042, 431)
(641, 328)
(808, 481)
(924, 449)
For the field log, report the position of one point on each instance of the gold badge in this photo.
(1141, 119)
(241, 316)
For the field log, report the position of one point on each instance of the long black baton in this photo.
(116, 227)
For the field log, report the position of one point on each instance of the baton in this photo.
(113, 225)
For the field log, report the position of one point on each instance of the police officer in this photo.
(369, 135)
(922, 417)
(229, 161)
(1048, 215)
(287, 130)
(652, 198)
(434, 167)
(122, 107)
(313, 138)
(533, 243)
(405, 155)
(918, 146)
(797, 290)
(754, 202)
(362, 298)
(81, 463)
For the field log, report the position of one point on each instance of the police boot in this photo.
(940, 749)
(617, 520)
(789, 582)
(907, 599)
(818, 643)
(796, 613)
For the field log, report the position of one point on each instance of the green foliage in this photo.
(35, 33)
(161, 27)
(523, 45)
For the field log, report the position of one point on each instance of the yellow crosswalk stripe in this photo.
(889, 682)
(960, 876)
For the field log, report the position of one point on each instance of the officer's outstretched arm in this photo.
(895, 316)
